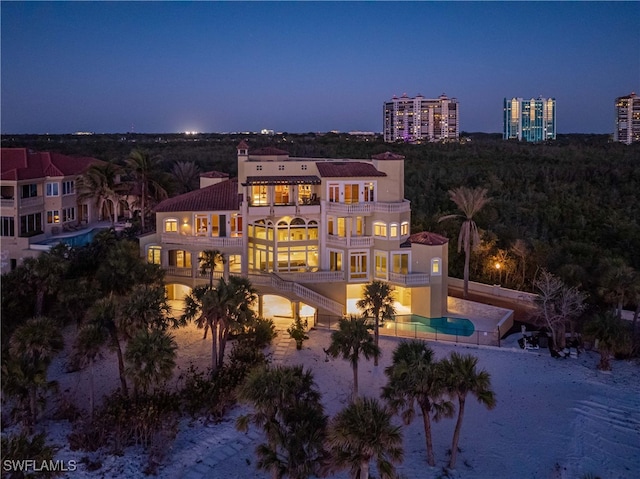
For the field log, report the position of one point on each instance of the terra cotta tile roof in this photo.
(347, 169)
(23, 164)
(426, 238)
(222, 196)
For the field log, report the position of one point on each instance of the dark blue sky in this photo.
(299, 67)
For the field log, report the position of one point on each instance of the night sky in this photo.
(298, 67)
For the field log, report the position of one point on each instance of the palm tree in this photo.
(240, 298)
(287, 407)
(43, 275)
(101, 183)
(186, 175)
(209, 259)
(148, 182)
(415, 378)
(103, 316)
(151, 358)
(617, 283)
(351, 340)
(377, 302)
(87, 346)
(31, 349)
(462, 378)
(361, 432)
(470, 202)
(611, 332)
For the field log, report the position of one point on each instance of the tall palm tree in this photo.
(469, 202)
(414, 377)
(101, 183)
(148, 181)
(43, 275)
(209, 259)
(87, 346)
(287, 407)
(240, 298)
(611, 333)
(32, 347)
(462, 378)
(103, 316)
(617, 283)
(377, 302)
(351, 340)
(151, 358)
(363, 432)
(186, 175)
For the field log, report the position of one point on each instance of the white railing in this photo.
(347, 209)
(411, 279)
(357, 241)
(302, 292)
(399, 207)
(316, 277)
(213, 241)
(182, 272)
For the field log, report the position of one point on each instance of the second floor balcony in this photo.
(210, 241)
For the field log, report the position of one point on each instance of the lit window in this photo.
(401, 263)
(202, 225)
(171, 226)
(153, 254)
(393, 231)
(259, 195)
(53, 217)
(435, 267)
(380, 230)
(358, 265)
(404, 228)
(381, 265)
(335, 261)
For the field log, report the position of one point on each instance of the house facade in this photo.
(39, 201)
(311, 230)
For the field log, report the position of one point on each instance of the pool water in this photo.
(81, 239)
(444, 325)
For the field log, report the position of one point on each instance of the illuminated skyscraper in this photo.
(627, 119)
(421, 119)
(529, 120)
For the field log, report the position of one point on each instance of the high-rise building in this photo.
(529, 120)
(421, 119)
(627, 119)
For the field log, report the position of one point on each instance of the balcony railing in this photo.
(411, 279)
(316, 277)
(7, 202)
(33, 201)
(355, 241)
(399, 207)
(213, 241)
(348, 209)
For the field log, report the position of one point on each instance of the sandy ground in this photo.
(554, 418)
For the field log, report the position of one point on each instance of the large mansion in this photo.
(311, 230)
(40, 201)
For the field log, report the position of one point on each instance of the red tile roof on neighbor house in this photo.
(347, 169)
(23, 164)
(222, 196)
(426, 238)
(387, 155)
(268, 151)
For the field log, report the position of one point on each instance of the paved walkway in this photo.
(196, 457)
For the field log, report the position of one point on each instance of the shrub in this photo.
(20, 448)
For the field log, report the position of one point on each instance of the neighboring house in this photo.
(39, 200)
(311, 230)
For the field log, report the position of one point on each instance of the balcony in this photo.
(411, 279)
(33, 201)
(315, 277)
(349, 209)
(354, 241)
(210, 241)
(399, 207)
(7, 202)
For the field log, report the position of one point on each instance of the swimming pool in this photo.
(79, 239)
(420, 324)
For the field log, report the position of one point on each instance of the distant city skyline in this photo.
(163, 67)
